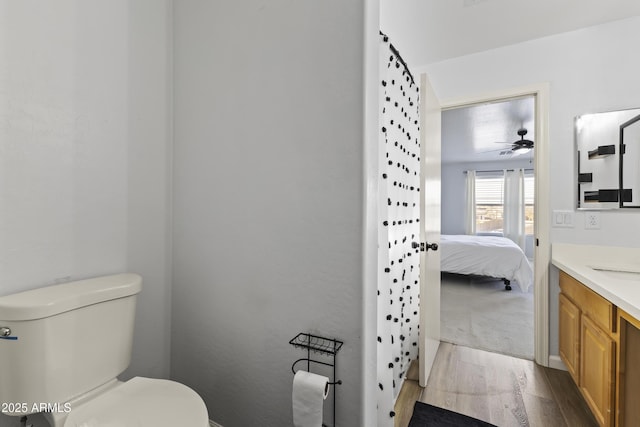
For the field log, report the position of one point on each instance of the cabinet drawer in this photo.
(601, 311)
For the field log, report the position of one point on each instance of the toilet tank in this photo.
(65, 340)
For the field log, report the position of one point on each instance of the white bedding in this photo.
(485, 256)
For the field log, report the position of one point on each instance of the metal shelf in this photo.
(602, 151)
(316, 343)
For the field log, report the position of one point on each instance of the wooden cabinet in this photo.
(628, 371)
(596, 371)
(570, 336)
(587, 345)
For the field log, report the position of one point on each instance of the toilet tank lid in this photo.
(51, 300)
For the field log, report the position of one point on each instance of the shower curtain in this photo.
(399, 216)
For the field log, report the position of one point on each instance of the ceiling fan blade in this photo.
(498, 149)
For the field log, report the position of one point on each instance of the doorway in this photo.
(540, 238)
(488, 150)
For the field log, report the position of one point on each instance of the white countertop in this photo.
(622, 289)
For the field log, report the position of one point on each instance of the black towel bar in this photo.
(314, 361)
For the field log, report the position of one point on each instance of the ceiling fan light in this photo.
(521, 151)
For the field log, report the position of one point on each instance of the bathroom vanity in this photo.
(599, 327)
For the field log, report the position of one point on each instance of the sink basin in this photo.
(619, 273)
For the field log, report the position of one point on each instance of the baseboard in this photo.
(556, 363)
(214, 424)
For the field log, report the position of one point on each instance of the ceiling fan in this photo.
(522, 145)
(518, 147)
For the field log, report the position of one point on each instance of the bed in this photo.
(490, 256)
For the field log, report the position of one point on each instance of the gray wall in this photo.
(85, 150)
(271, 213)
(268, 200)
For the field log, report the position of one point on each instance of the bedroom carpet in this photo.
(477, 312)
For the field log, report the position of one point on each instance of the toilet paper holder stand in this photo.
(328, 347)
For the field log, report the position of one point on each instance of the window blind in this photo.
(489, 191)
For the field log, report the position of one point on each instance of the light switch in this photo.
(563, 219)
(558, 218)
(568, 219)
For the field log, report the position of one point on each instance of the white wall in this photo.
(268, 200)
(589, 70)
(64, 142)
(84, 145)
(448, 29)
(149, 152)
(369, 384)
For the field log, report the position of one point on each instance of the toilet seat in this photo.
(142, 402)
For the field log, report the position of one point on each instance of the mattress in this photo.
(490, 256)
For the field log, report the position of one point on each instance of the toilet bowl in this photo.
(86, 331)
(137, 402)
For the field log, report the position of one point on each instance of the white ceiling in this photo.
(443, 29)
(484, 132)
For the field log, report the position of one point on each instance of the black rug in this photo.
(425, 415)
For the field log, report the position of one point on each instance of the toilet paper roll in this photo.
(309, 392)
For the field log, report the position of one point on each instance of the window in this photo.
(490, 203)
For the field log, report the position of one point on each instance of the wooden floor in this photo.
(499, 389)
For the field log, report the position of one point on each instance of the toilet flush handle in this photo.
(5, 332)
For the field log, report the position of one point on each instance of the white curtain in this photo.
(470, 205)
(399, 216)
(514, 205)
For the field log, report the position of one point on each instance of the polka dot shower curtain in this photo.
(399, 216)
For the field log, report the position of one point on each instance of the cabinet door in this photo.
(597, 370)
(570, 336)
(628, 377)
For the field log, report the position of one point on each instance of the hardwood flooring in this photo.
(502, 390)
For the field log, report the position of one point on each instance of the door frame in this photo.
(542, 243)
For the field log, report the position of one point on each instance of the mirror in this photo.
(630, 162)
(608, 159)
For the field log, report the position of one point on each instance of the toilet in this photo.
(62, 348)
